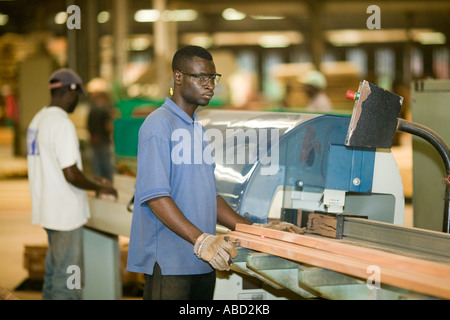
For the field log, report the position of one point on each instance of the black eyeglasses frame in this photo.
(201, 76)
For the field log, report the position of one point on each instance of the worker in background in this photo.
(12, 114)
(100, 127)
(177, 205)
(57, 184)
(314, 84)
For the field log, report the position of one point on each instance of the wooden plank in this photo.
(425, 284)
(434, 285)
(369, 255)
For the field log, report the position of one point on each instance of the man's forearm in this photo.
(168, 212)
(227, 216)
(76, 177)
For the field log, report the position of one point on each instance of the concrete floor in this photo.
(16, 231)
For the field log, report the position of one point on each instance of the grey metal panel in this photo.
(430, 106)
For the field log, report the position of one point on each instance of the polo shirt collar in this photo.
(172, 106)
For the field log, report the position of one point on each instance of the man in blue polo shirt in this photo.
(177, 205)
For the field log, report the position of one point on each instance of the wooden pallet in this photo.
(415, 274)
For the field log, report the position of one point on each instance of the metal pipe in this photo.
(439, 144)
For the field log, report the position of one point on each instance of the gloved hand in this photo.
(283, 226)
(215, 250)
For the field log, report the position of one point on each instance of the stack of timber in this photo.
(411, 273)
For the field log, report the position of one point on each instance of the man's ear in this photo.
(177, 75)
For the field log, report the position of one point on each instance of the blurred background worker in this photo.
(100, 127)
(314, 83)
(57, 184)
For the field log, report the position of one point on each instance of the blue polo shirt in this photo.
(172, 162)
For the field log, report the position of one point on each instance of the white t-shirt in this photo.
(52, 145)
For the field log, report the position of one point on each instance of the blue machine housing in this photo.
(350, 169)
(311, 157)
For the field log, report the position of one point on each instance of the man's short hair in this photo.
(185, 54)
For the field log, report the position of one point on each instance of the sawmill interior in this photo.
(366, 180)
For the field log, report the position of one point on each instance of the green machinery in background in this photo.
(126, 129)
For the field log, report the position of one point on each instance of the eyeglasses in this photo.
(204, 79)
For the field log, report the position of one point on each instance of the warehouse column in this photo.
(316, 39)
(81, 57)
(164, 44)
(71, 44)
(120, 37)
(92, 40)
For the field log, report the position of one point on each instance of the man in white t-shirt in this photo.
(57, 184)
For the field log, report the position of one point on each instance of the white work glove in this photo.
(215, 250)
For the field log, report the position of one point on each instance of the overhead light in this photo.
(261, 17)
(147, 15)
(139, 43)
(61, 17)
(356, 36)
(3, 19)
(267, 39)
(274, 41)
(198, 39)
(151, 15)
(233, 14)
(179, 15)
(429, 37)
(350, 37)
(103, 17)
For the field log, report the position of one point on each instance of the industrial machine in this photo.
(325, 164)
(308, 168)
(286, 166)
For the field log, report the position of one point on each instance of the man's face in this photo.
(310, 90)
(193, 91)
(72, 98)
